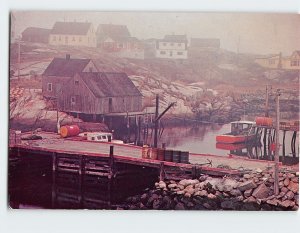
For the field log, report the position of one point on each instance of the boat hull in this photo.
(231, 139)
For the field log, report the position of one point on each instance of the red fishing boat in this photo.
(241, 131)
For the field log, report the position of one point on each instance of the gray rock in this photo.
(188, 182)
(162, 185)
(171, 186)
(250, 200)
(235, 192)
(211, 196)
(294, 187)
(286, 182)
(203, 178)
(203, 193)
(262, 191)
(247, 185)
(181, 187)
(248, 193)
(181, 192)
(284, 190)
(228, 205)
(247, 176)
(290, 195)
(297, 199)
(286, 203)
(187, 195)
(179, 206)
(273, 202)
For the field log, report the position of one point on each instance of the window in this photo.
(162, 52)
(271, 62)
(179, 53)
(72, 100)
(54, 38)
(103, 137)
(76, 82)
(93, 138)
(49, 86)
(295, 62)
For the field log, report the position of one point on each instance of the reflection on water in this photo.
(32, 186)
(202, 139)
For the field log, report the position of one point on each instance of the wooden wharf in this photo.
(104, 159)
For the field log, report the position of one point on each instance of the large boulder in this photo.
(262, 191)
(294, 187)
(246, 185)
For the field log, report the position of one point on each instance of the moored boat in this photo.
(241, 131)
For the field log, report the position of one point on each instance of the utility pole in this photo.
(157, 118)
(276, 179)
(19, 57)
(267, 100)
(156, 121)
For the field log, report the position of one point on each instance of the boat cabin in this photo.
(242, 127)
(99, 137)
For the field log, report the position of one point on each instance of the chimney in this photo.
(68, 56)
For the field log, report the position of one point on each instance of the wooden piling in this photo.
(161, 172)
(283, 143)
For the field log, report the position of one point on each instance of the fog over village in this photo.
(187, 97)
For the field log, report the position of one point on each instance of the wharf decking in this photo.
(130, 154)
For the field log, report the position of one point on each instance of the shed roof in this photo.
(71, 28)
(112, 30)
(65, 67)
(36, 31)
(109, 84)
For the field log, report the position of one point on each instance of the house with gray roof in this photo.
(172, 47)
(62, 69)
(73, 34)
(78, 86)
(100, 93)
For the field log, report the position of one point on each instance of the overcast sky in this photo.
(254, 33)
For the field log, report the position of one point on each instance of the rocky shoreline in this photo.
(252, 191)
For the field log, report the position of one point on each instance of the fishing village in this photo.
(100, 119)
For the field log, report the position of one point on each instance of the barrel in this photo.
(263, 121)
(69, 131)
(145, 152)
(184, 157)
(153, 153)
(169, 155)
(161, 154)
(176, 156)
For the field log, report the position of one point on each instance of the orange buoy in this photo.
(69, 131)
(264, 121)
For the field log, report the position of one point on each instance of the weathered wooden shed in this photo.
(34, 34)
(61, 70)
(100, 93)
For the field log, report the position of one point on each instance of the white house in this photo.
(73, 33)
(172, 47)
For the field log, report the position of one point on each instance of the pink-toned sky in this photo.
(256, 33)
